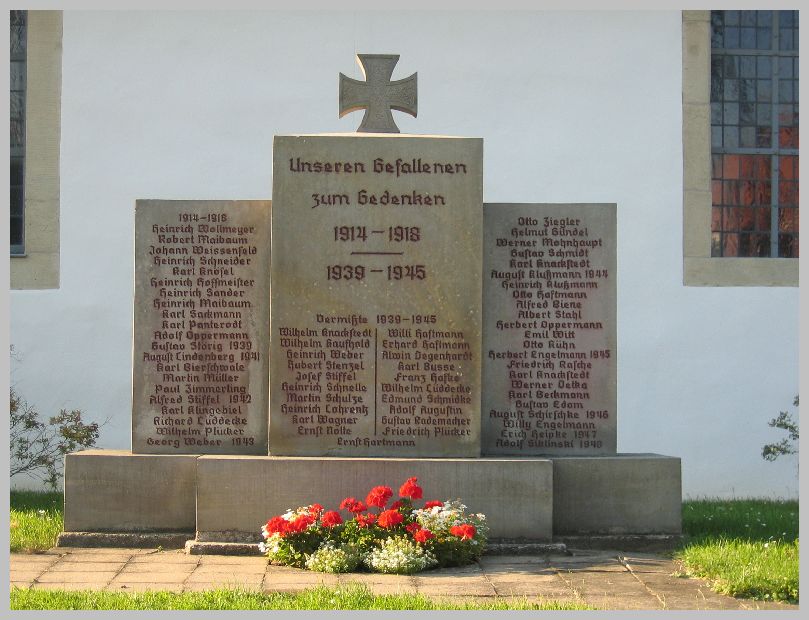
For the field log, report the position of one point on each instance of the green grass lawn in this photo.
(355, 596)
(746, 548)
(36, 520)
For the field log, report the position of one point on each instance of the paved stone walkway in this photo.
(603, 579)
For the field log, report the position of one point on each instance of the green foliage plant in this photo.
(784, 421)
(38, 447)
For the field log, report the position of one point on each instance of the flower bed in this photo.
(397, 538)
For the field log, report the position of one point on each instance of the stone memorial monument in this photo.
(376, 336)
(200, 328)
(549, 333)
(410, 330)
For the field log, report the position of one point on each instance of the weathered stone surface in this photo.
(145, 540)
(617, 495)
(549, 335)
(375, 346)
(117, 491)
(202, 293)
(378, 94)
(240, 493)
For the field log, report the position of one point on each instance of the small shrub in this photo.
(784, 421)
(37, 447)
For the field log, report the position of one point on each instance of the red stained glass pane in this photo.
(788, 220)
(788, 246)
(716, 167)
(763, 195)
(748, 193)
(751, 244)
(761, 167)
(731, 167)
(787, 193)
(746, 164)
(716, 219)
(716, 192)
(732, 218)
(763, 218)
(787, 167)
(730, 193)
(730, 244)
(788, 137)
(746, 219)
(760, 244)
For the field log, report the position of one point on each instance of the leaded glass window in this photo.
(17, 85)
(754, 133)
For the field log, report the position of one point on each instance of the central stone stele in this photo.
(376, 297)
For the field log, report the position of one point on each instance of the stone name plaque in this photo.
(549, 335)
(202, 292)
(376, 303)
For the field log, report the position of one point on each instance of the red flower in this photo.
(413, 527)
(464, 532)
(277, 525)
(299, 524)
(410, 489)
(431, 504)
(331, 518)
(396, 505)
(348, 504)
(358, 507)
(423, 536)
(366, 520)
(315, 510)
(390, 518)
(379, 496)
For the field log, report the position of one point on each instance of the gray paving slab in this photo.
(77, 577)
(63, 566)
(378, 578)
(166, 558)
(606, 580)
(225, 578)
(138, 577)
(149, 568)
(27, 576)
(239, 560)
(103, 551)
(81, 585)
(230, 569)
(95, 557)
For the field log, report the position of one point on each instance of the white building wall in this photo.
(573, 107)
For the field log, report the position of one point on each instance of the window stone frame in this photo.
(38, 267)
(699, 267)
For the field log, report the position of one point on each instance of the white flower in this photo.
(329, 558)
(399, 555)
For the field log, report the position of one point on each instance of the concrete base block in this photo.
(117, 491)
(126, 540)
(194, 547)
(237, 494)
(648, 543)
(621, 494)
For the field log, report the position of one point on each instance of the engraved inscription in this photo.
(200, 342)
(549, 329)
(376, 332)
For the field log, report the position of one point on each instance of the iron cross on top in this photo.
(377, 95)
